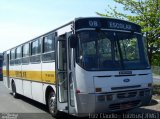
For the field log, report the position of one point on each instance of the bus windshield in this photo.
(106, 50)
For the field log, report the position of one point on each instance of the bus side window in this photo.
(48, 48)
(12, 57)
(35, 51)
(25, 53)
(18, 55)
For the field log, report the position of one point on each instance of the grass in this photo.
(156, 89)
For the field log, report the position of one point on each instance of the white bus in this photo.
(87, 66)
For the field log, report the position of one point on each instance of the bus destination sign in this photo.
(106, 23)
(116, 25)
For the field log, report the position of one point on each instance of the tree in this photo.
(146, 13)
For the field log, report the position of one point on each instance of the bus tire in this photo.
(52, 104)
(14, 93)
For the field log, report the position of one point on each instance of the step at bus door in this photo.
(63, 75)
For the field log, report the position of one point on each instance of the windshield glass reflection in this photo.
(103, 50)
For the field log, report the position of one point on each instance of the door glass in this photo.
(62, 56)
(62, 71)
(71, 90)
(62, 86)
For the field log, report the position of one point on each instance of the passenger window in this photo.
(48, 43)
(48, 48)
(12, 54)
(18, 52)
(35, 51)
(26, 50)
(12, 57)
(35, 47)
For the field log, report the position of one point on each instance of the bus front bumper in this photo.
(112, 102)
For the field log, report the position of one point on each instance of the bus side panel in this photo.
(48, 76)
(18, 79)
(5, 81)
(26, 83)
(19, 86)
(27, 88)
(37, 92)
(5, 76)
(37, 86)
(48, 72)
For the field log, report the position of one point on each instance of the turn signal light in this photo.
(78, 91)
(98, 89)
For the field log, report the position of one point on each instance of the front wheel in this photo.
(52, 104)
(15, 95)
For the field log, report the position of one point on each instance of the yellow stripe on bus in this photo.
(40, 76)
(49, 76)
(4, 73)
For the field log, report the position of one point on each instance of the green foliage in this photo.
(156, 89)
(146, 13)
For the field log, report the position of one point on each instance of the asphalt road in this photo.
(22, 108)
(25, 108)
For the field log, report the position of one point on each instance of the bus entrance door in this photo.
(63, 76)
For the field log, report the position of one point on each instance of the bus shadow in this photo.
(153, 102)
(32, 102)
(43, 108)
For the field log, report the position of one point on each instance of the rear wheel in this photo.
(52, 104)
(15, 95)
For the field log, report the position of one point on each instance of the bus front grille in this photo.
(124, 105)
(127, 95)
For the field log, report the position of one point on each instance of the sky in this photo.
(23, 20)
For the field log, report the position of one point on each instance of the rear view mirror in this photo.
(73, 41)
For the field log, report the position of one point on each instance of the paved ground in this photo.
(24, 108)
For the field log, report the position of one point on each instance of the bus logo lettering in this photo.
(125, 73)
(126, 80)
